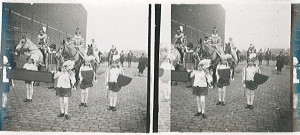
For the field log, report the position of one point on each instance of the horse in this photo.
(95, 60)
(209, 51)
(69, 52)
(32, 51)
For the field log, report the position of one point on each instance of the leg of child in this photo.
(111, 97)
(251, 96)
(168, 90)
(202, 101)
(164, 87)
(198, 100)
(62, 107)
(115, 99)
(28, 89)
(220, 94)
(82, 95)
(66, 104)
(4, 100)
(248, 96)
(224, 94)
(86, 95)
(31, 91)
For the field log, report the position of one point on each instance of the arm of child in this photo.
(122, 71)
(80, 76)
(56, 75)
(106, 76)
(244, 77)
(209, 78)
(217, 73)
(192, 74)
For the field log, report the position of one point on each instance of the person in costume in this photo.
(51, 60)
(233, 49)
(280, 62)
(42, 43)
(5, 81)
(142, 64)
(248, 80)
(29, 84)
(66, 81)
(129, 58)
(85, 83)
(216, 42)
(178, 38)
(250, 50)
(223, 80)
(202, 79)
(179, 41)
(166, 78)
(268, 56)
(260, 57)
(189, 61)
(111, 77)
(96, 51)
(122, 58)
(78, 42)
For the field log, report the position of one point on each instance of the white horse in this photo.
(33, 51)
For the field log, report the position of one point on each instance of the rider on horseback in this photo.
(179, 41)
(42, 43)
(216, 42)
(78, 43)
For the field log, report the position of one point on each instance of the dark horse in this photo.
(209, 52)
(69, 52)
(95, 61)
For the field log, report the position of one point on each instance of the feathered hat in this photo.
(205, 63)
(69, 64)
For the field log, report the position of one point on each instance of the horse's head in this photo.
(23, 44)
(90, 50)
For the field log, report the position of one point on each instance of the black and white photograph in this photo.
(74, 67)
(225, 68)
(296, 65)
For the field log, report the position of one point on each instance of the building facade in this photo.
(197, 20)
(28, 19)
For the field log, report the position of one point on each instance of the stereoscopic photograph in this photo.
(227, 68)
(74, 67)
(296, 65)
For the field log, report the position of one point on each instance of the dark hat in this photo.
(190, 44)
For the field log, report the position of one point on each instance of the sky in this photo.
(124, 25)
(264, 24)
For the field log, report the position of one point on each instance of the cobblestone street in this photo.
(272, 108)
(41, 113)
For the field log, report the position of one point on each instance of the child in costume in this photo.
(200, 87)
(111, 78)
(189, 61)
(66, 80)
(166, 78)
(248, 80)
(29, 84)
(222, 82)
(5, 81)
(51, 61)
(85, 83)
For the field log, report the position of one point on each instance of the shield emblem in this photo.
(224, 73)
(123, 80)
(260, 78)
(88, 75)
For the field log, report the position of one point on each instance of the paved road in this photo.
(41, 114)
(272, 112)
